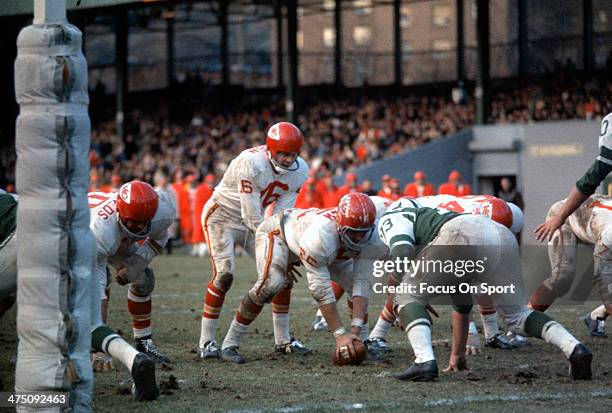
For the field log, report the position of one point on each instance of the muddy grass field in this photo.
(531, 379)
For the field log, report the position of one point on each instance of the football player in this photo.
(585, 186)
(496, 209)
(271, 174)
(445, 236)
(131, 229)
(591, 224)
(333, 244)
(104, 339)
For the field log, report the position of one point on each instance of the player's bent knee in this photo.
(144, 284)
(223, 281)
(412, 312)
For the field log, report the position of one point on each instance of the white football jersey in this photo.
(250, 184)
(312, 235)
(112, 244)
(589, 221)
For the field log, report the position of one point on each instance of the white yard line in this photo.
(456, 401)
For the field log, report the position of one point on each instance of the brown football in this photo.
(344, 357)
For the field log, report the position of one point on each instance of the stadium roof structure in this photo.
(25, 7)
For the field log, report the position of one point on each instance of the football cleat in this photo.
(210, 350)
(319, 324)
(500, 342)
(427, 371)
(294, 346)
(143, 374)
(597, 328)
(145, 345)
(517, 340)
(580, 363)
(380, 345)
(232, 355)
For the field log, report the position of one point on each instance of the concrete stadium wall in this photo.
(547, 159)
(554, 155)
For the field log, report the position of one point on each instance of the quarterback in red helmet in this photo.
(266, 177)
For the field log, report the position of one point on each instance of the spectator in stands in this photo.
(350, 185)
(419, 187)
(309, 197)
(366, 187)
(181, 192)
(385, 190)
(454, 186)
(202, 193)
(508, 193)
(329, 193)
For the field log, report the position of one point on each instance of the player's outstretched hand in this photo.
(545, 231)
(456, 363)
(293, 273)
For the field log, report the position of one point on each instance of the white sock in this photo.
(119, 349)
(489, 325)
(208, 331)
(319, 313)
(472, 328)
(420, 340)
(281, 328)
(381, 329)
(599, 312)
(234, 334)
(364, 331)
(555, 334)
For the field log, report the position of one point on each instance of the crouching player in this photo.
(333, 244)
(499, 211)
(104, 339)
(130, 228)
(443, 235)
(591, 224)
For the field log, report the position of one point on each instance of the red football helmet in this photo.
(356, 218)
(284, 137)
(497, 210)
(137, 201)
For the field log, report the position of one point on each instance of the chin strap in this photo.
(278, 168)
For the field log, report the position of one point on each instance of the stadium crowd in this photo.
(340, 135)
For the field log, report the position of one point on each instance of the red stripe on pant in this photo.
(281, 301)
(246, 315)
(213, 301)
(387, 313)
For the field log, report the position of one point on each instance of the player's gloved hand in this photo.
(456, 363)
(101, 362)
(292, 271)
(346, 340)
(545, 231)
(472, 348)
(130, 268)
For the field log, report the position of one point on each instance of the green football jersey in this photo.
(405, 223)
